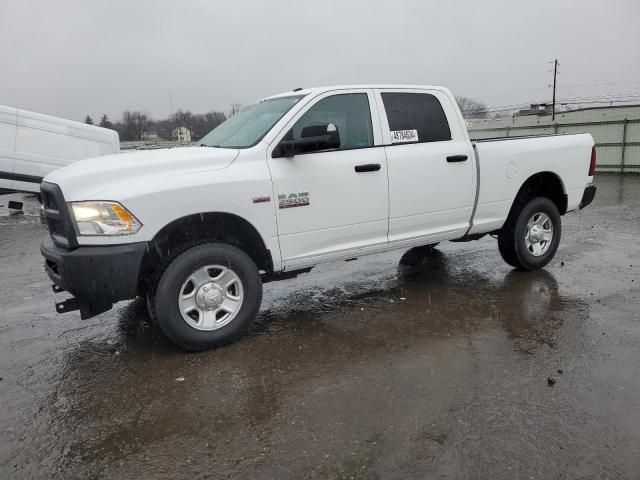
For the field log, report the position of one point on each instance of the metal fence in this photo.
(152, 144)
(617, 141)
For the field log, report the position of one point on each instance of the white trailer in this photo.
(33, 145)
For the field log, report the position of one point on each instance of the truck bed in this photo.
(504, 164)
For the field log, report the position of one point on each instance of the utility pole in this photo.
(553, 105)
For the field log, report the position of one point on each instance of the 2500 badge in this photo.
(291, 200)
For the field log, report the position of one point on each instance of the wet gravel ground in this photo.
(402, 365)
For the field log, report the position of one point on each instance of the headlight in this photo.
(103, 218)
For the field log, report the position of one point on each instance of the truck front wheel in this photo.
(531, 235)
(207, 296)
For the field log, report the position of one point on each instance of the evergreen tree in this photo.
(88, 120)
(105, 122)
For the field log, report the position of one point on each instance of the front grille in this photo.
(55, 224)
(48, 200)
(53, 266)
(56, 227)
(57, 215)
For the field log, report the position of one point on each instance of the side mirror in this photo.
(313, 138)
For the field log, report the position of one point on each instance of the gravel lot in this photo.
(402, 365)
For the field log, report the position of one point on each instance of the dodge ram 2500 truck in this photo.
(297, 179)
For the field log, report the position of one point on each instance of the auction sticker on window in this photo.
(404, 136)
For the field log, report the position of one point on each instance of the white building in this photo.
(181, 134)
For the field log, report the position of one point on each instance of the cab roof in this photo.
(318, 90)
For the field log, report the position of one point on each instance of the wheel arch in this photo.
(203, 227)
(542, 184)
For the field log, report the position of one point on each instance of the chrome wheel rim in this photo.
(211, 297)
(538, 235)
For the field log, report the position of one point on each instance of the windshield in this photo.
(249, 125)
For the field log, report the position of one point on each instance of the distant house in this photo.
(181, 134)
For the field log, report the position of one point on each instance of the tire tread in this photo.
(157, 277)
(508, 238)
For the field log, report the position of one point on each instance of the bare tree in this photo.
(472, 108)
(204, 123)
(135, 125)
(164, 128)
(182, 118)
(235, 108)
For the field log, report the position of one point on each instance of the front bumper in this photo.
(96, 276)
(588, 195)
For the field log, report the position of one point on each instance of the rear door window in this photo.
(415, 117)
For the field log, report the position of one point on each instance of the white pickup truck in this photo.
(297, 179)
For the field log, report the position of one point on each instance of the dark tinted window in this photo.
(417, 111)
(348, 112)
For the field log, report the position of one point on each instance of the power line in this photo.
(570, 100)
(521, 74)
(593, 102)
(605, 96)
(601, 84)
(513, 93)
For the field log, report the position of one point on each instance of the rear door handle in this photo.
(369, 167)
(457, 158)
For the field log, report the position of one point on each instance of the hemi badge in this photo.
(261, 199)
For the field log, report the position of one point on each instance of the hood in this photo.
(87, 178)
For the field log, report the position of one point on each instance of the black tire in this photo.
(511, 240)
(163, 301)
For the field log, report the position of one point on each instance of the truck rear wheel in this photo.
(531, 234)
(207, 296)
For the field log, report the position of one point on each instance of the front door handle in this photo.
(456, 158)
(369, 167)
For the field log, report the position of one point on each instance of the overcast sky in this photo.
(73, 58)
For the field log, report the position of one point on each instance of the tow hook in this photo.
(68, 305)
